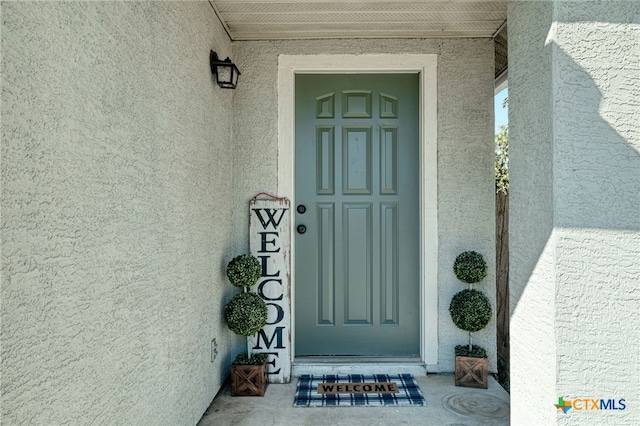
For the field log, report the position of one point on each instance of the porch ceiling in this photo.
(312, 19)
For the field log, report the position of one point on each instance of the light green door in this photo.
(357, 240)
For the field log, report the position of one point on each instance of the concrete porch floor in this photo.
(447, 405)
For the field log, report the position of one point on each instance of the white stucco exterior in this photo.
(116, 213)
(574, 221)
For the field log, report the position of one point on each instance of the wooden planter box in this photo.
(472, 372)
(249, 380)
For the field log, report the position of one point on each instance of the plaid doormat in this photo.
(405, 392)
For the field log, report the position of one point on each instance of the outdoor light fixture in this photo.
(226, 72)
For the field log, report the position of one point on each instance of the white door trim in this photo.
(426, 67)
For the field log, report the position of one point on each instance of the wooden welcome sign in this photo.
(270, 242)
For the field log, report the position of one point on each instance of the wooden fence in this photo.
(502, 278)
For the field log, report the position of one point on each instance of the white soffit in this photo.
(316, 19)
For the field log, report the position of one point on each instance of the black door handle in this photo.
(301, 229)
(301, 208)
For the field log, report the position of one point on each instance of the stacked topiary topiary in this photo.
(246, 314)
(470, 311)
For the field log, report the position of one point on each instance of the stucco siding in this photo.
(116, 210)
(593, 49)
(465, 151)
(531, 239)
(597, 203)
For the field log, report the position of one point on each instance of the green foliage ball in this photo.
(246, 314)
(244, 270)
(470, 310)
(470, 267)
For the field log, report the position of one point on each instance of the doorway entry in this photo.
(425, 67)
(357, 215)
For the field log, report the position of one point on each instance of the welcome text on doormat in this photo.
(357, 390)
(380, 387)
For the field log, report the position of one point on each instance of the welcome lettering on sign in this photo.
(270, 242)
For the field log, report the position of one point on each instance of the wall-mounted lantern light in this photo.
(226, 72)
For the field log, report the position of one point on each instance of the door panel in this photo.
(358, 283)
(357, 264)
(356, 160)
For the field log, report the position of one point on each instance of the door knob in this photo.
(301, 229)
(301, 208)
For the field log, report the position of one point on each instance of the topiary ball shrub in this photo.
(470, 310)
(470, 267)
(244, 270)
(246, 314)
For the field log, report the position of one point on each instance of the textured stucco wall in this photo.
(589, 269)
(597, 203)
(465, 151)
(531, 247)
(116, 212)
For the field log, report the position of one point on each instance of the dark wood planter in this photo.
(472, 372)
(249, 380)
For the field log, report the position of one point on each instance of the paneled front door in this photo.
(357, 244)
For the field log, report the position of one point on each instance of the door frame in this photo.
(426, 67)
